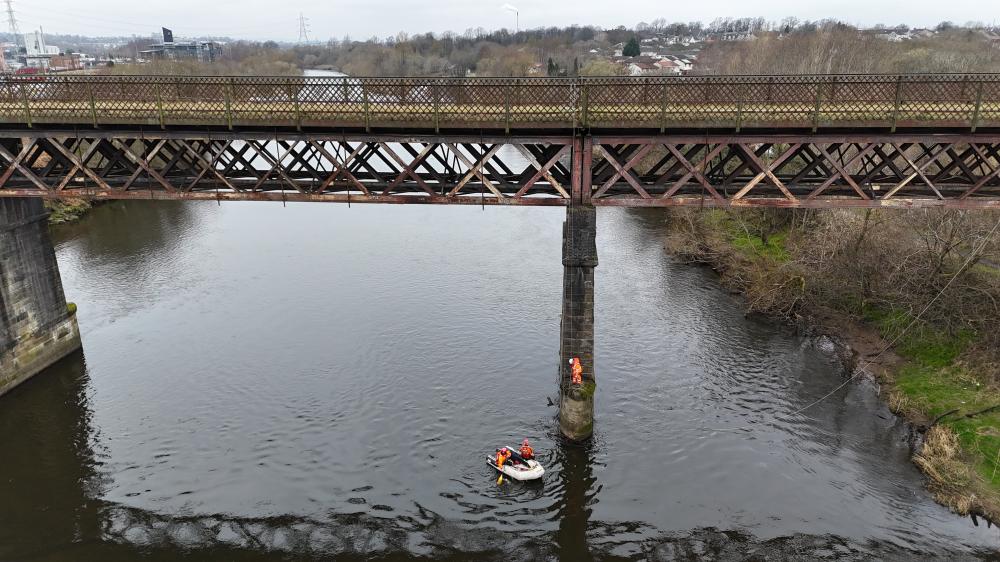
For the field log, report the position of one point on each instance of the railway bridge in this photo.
(822, 141)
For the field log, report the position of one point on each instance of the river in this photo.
(268, 382)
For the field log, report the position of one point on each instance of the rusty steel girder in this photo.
(777, 170)
(799, 170)
(367, 169)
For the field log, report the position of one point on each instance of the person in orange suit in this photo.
(502, 456)
(527, 453)
(577, 370)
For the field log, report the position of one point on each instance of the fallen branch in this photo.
(983, 411)
(941, 417)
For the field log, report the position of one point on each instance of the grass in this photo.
(934, 382)
(748, 244)
(774, 249)
(974, 469)
(917, 341)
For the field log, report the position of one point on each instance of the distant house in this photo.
(683, 64)
(667, 66)
(639, 68)
(735, 36)
(894, 37)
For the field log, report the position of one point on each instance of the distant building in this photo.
(734, 36)
(87, 61)
(203, 51)
(642, 67)
(34, 44)
(37, 53)
(64, 62)
(681, 63)
(668, 66)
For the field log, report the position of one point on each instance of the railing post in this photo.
(159, 104)
(27, 106)
(228, 90)
(364, 95)
(819, 101)
(93, 104)
(979, 106)
(437, 106)
(584, 103)
(663, 108)
(294, 96)
(739, 106)
(896, 104)
(506, 108)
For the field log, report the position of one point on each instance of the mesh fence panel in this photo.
(615, 102)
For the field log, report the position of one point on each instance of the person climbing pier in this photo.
(577, 370)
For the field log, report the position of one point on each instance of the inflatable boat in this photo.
(516, 467)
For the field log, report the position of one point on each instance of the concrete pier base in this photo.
(576, 402)
(36, 328)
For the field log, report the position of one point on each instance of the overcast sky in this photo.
(361, 19)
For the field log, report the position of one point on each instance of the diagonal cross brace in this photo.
(623, 170)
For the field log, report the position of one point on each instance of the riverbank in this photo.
(837, 274)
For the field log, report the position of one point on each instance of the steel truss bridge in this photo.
(726, 141)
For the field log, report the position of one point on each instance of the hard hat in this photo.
(525, 442)
(570, 361)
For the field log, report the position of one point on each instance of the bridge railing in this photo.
(727, 102)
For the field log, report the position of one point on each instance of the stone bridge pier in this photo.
(576, 402)
(36, 328)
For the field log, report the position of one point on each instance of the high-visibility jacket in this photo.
(527, 453)
(577, 372)
(502, 458)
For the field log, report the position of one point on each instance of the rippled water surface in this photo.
(311, 381)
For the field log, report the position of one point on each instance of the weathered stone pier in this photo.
(36, 327)
(576, 402)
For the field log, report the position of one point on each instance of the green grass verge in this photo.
(774, 249)
(749, 244)
(921, 343)
(936, 390)
(933, 382)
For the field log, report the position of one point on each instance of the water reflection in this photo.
(573, 504)
(126, 256)
(49, 487)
